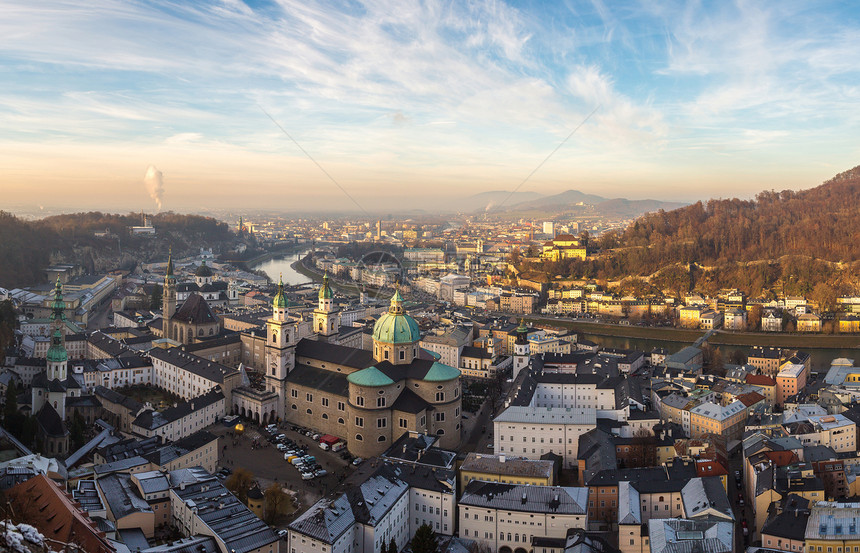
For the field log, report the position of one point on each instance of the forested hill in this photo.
(27, 247)
(822, 222)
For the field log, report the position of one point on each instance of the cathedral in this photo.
(195, 319)
(368, 398)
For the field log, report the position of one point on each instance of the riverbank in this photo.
(299, 267)
(720, 338)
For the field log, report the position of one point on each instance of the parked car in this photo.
(320, 473)
(307, 476)
(357, 461)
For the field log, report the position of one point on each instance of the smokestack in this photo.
(154, 182)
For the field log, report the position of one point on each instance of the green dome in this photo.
(395, 327)
(280, 301)
(57, 352)
(440, 372)
(325, 290)
(371, 377)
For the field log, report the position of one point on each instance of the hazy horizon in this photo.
(412, 105)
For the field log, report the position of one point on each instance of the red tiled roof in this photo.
(750, 399)
(760, 380)
(709, 467)
(56, 515)
(782, 458)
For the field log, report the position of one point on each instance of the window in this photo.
(309, 397)
(380, 402)
(402, 423)
(380, 439)
(309, 412)
(294, 393)
(402, 354)
(359, 400)
(324, 402)
(294, 407)
(341, 406)
(341, 421)
(440, 396)
(440, 417)
(359, 422)
(386, 355)
(358, 438)
(381, 423)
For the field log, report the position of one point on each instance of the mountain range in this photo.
(569, 202)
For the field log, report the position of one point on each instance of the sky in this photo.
(300, 105)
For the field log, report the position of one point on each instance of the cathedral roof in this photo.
(50, 421)
(195, 310)
(370, 376)
(395, 327)
(203, 270)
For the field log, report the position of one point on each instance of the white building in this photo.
(529, 432)
(362, 520)
(510, 515)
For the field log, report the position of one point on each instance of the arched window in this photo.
(381, 439)
(274, 336)
(211, 331)
(325, 415)
(321, 326)
(310, 412)
(358, 438)
(200, 332)
(440, 432)
(340, 421)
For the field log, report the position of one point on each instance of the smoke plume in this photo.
(154, 182)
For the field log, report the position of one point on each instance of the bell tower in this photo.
(522, 349)
(168, 299)
(280, 347)
(57, 356)
(326, 316)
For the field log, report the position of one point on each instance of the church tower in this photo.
(396, 334)
(168, 300)
(326, 317)
(522, 349)
(280, 347)
(57, 357)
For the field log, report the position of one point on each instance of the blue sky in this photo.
(415, 103)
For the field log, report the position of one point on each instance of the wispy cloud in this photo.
(456, 88)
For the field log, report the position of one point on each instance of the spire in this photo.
(325, 289)
(58, 306)
(170, 263)
(280, 301)
(396, 307)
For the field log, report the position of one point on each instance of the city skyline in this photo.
(412, 105)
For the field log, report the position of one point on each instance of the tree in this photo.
(239, 483)
(276, 502)
(155, 299)
(76, 432)
(424, 540)
(10, 407)
(8, 322)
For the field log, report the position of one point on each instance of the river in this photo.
(281, 265)
(821, 357)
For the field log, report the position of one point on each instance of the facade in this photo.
(507, 517)
(508, 470)
(532, 433)
(790, 380)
